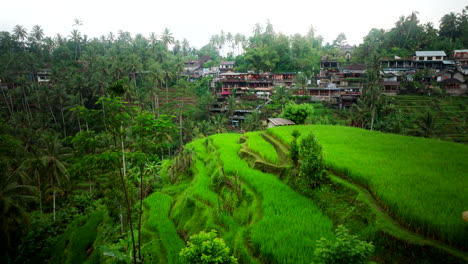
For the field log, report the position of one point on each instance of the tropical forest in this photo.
(259, 148)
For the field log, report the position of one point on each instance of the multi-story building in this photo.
(461, 59)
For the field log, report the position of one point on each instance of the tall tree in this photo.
(166, 37)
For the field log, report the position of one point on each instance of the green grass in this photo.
(291, 223)
(257, 144)
(422, 182)
(73, 245)
(202, 179)
(159, 206)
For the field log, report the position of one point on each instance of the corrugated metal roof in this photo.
(430, 53)
(280, 121)
(463, 50)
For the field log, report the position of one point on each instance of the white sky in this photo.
(198, 20)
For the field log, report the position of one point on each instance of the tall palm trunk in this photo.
(167, 92)
(53, 207)
(123, 176)
(6, 102)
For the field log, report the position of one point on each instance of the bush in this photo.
(206, 248)
(311, 168)
(294, 148)
(346, 249)
(297, 113)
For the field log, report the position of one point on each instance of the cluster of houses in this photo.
(340, 82)
(446, 72)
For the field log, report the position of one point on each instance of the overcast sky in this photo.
(198, 20)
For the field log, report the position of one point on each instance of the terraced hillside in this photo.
(404, 194)
(422, 182)
(262, 219)
(235, 184)
(451, 114)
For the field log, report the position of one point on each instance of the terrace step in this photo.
(392, 227)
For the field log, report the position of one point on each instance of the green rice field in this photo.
(422, 182)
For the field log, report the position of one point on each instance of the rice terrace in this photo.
(410, 194)
(186, 132)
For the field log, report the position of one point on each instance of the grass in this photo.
(422, 182)
(159, 206)
(260, 146)
(73, 245)
(291, 223)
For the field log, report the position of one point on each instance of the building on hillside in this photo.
(239, 116)
(43, 76)
(284, 79)
(328, 66)
(461, 59)
(402, 67)
(233, 83)
(347, 48)
(430, 59)
(354, 70)
(226, 66)
(192, 69)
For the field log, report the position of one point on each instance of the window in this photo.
(438, 57)
(429, 58)
(421, 58)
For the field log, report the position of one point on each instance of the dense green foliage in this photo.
(346, 249)
(80, 150)
(420, 181)
(297, 113)
(409, 35)
(206, 248)
(311, 166)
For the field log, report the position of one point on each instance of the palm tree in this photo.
(53, 161)
(427, 124)
(168, 74)
(76, 37)
(20, 33)
(167, 37)
(153, 38)
(37, 33)
(110, 36)
(14, 198)
(258, 29)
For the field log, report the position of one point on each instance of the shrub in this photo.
(206, 248)
(294, 148)
(311, 169)
(297, 113)
(346, 249)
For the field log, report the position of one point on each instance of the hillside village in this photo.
(269, 147)
(339, 81)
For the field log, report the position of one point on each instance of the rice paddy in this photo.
(261, 147)
(422, 182)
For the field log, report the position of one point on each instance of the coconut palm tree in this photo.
(168, 74)
(14, 199)
(20, 33)
(37, 33)
(76, 37)
(53, 161)
(166, 37)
